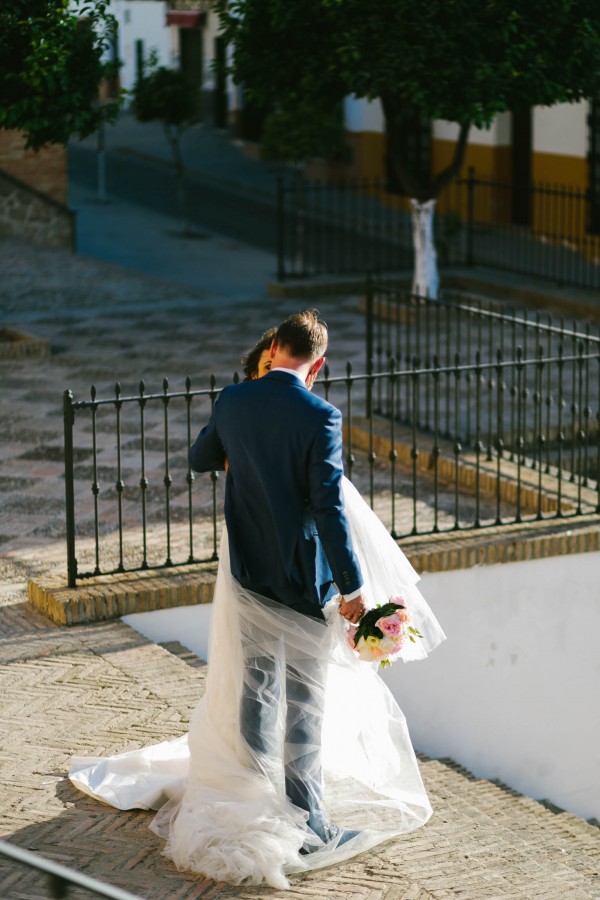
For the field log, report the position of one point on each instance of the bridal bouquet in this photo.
(381, 632)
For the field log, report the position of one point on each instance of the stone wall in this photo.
(27, 213)
(45, 171)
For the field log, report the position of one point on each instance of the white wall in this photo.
(210, 32)
(514, 693)
(141, 20)
(190, 625)
(497, 135)
(561, 129)
(363, 115)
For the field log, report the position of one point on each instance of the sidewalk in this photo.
(206, 152)
(100, 689)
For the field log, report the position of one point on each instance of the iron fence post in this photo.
(470, 215)
(69, 421)
(369, 335)
(280, 227)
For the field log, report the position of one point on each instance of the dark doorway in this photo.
(139, 60)
(220, 98)
(521, 166)
(190, 54)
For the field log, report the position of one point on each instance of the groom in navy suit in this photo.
(288, 534)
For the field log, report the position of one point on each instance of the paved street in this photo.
(153, 305)
(227, 192)
(100, 689)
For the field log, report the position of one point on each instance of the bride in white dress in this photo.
(223, 809)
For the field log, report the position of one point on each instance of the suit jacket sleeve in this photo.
(325, 480)
(207, 453)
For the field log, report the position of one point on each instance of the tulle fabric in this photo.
(326, 722)
(387, 573)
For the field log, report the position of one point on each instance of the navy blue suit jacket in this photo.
(288, 533)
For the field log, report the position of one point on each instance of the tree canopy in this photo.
(52, 56)
(165, 95)
(168, 96)
(456, 60)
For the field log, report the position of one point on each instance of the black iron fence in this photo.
(59, 879)
(543, 230)
(351, 226)
(404, 325)
(342, 227)
(443, 445)
(417, 331)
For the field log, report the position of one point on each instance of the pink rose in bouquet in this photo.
(390, 625)
(380, 633)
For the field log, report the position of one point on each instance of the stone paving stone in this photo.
(99, 689)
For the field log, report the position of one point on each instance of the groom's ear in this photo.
(273, 349)
(316, 366)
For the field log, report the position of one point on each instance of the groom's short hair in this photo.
(303, 335)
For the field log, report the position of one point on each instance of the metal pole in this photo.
(280, 227)
(470, 214)
(369, 330)
(69, 421)
(102, 198)
(62, 876)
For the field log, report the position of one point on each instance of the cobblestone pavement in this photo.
(100, 689)
(109, 324)
(103, 688)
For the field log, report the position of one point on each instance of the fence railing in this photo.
(415, 330)
(60, 878)
(402, 324)
(348, 227)
(543, 230)
(343, 227)
(131, 481)
(443, 445)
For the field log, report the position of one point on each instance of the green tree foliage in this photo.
(167, 96)
(51, 65)
(306, 130)
(457, 60)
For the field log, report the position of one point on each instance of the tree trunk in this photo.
(101, 160)
(426, 279)
(300, 261)
(173, 137)
(423, 190)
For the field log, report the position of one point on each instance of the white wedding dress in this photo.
(222, 809)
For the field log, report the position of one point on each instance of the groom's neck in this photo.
(284, 361)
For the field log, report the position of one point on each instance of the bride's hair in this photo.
(303, 335)
(251, 359)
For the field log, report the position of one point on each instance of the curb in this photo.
(17, 344)
(571, 306)
(112, 596)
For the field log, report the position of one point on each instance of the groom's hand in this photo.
(352, 610)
